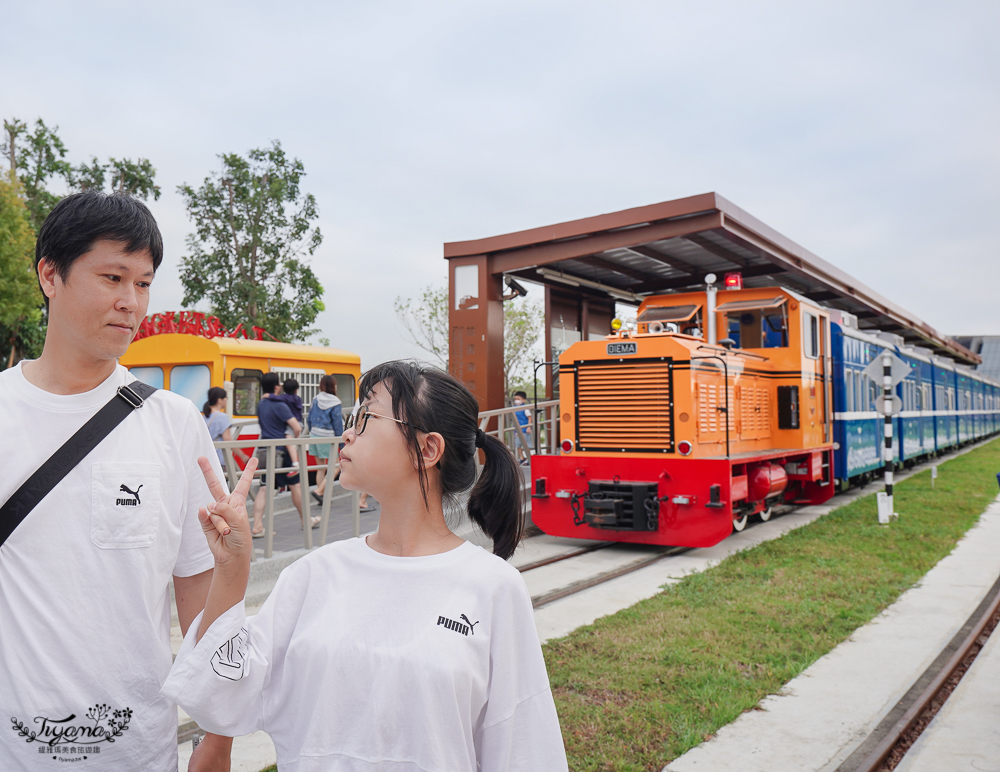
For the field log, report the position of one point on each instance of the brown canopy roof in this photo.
(672, 246)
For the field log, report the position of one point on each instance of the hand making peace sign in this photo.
(225, 521)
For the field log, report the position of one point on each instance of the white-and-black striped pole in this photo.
(887, 411)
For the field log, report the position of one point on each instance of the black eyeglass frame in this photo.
(361, 414)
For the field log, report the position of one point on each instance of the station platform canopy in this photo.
(671, 246)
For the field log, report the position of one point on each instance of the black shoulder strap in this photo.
(73, 451)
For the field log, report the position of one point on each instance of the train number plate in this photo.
(617, 349)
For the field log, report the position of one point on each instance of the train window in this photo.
(246, 391)
(849, 392)
(150, 375)
(191, 381)
(345, 390)
(733, 331)
(308, 383)
(810, 335)
(775, 329)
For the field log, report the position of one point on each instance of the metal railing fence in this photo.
(507, 428)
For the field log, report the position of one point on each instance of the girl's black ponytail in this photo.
(427, 397)
(495, 503)
(207, 410)
(214, 395)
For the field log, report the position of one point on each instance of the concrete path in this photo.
(819, 718)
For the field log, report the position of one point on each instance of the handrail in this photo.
(303, 468)
(508, 430)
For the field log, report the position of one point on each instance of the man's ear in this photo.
(432, 448)
(47, 277)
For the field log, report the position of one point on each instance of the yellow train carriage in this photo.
(192, 364)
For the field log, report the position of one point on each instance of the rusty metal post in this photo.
(475, 326)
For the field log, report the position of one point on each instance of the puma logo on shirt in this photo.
(129, 502)
(458, 627)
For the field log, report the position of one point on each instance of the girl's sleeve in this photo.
(520, 729)
(338, 421)
(223, 681)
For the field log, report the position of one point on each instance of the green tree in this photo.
(36, 157)
(253, 233)
(425, 320)
(20, 297)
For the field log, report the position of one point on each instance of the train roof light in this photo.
(616, 324)
(733, 281)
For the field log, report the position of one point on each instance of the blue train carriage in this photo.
(945, 404)
(857, 428)
(914, 425)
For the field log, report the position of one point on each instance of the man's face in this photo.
(518, 400)
(99, 307)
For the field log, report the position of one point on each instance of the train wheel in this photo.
(739, 521)
(764, 514)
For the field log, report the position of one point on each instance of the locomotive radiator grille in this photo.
(626, 406)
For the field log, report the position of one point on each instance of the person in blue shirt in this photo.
(288, 392)
(524, 419)
(274, 416)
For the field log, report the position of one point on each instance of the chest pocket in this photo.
(126, 505)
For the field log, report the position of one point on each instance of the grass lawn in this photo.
(637, 689)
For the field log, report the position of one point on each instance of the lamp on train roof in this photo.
(733, 280)
(616, 324)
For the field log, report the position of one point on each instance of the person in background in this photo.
(524, 419)
(288, 392)
(219, 422)
(406, 649)
(274, 416)
(326, 419)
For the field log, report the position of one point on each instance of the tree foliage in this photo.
(37, 156)
(253, 231)
(425, 320)
(20, 297)
(36, 159)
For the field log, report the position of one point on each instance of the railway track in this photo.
(892, 738)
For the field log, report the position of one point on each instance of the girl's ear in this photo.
(432, 448)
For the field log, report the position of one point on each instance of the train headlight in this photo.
(684, 448)
(616, 324)
(567, 446)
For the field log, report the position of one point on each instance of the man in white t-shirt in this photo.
(84, 579)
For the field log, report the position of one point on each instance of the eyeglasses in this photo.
(358, 420)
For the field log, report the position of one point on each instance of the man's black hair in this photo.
(290, 386)
(522, 394)
(79, 220)
(269, 382)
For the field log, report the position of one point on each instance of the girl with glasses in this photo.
(408, 649)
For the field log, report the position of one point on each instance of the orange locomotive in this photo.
(670, 437)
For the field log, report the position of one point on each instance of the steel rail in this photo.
(566, 555)
(605, 576)
(877, 757)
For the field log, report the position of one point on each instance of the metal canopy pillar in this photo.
(475, 329)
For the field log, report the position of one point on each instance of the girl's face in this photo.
(380, 457)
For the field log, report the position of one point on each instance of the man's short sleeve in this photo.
(283, 411)
(194, 556)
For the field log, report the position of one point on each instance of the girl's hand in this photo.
(225, 521)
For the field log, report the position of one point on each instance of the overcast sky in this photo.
(869, 133)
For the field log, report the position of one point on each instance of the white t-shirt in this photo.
(84, 580)
(360, 661)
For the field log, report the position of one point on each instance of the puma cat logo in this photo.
(129, 502)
